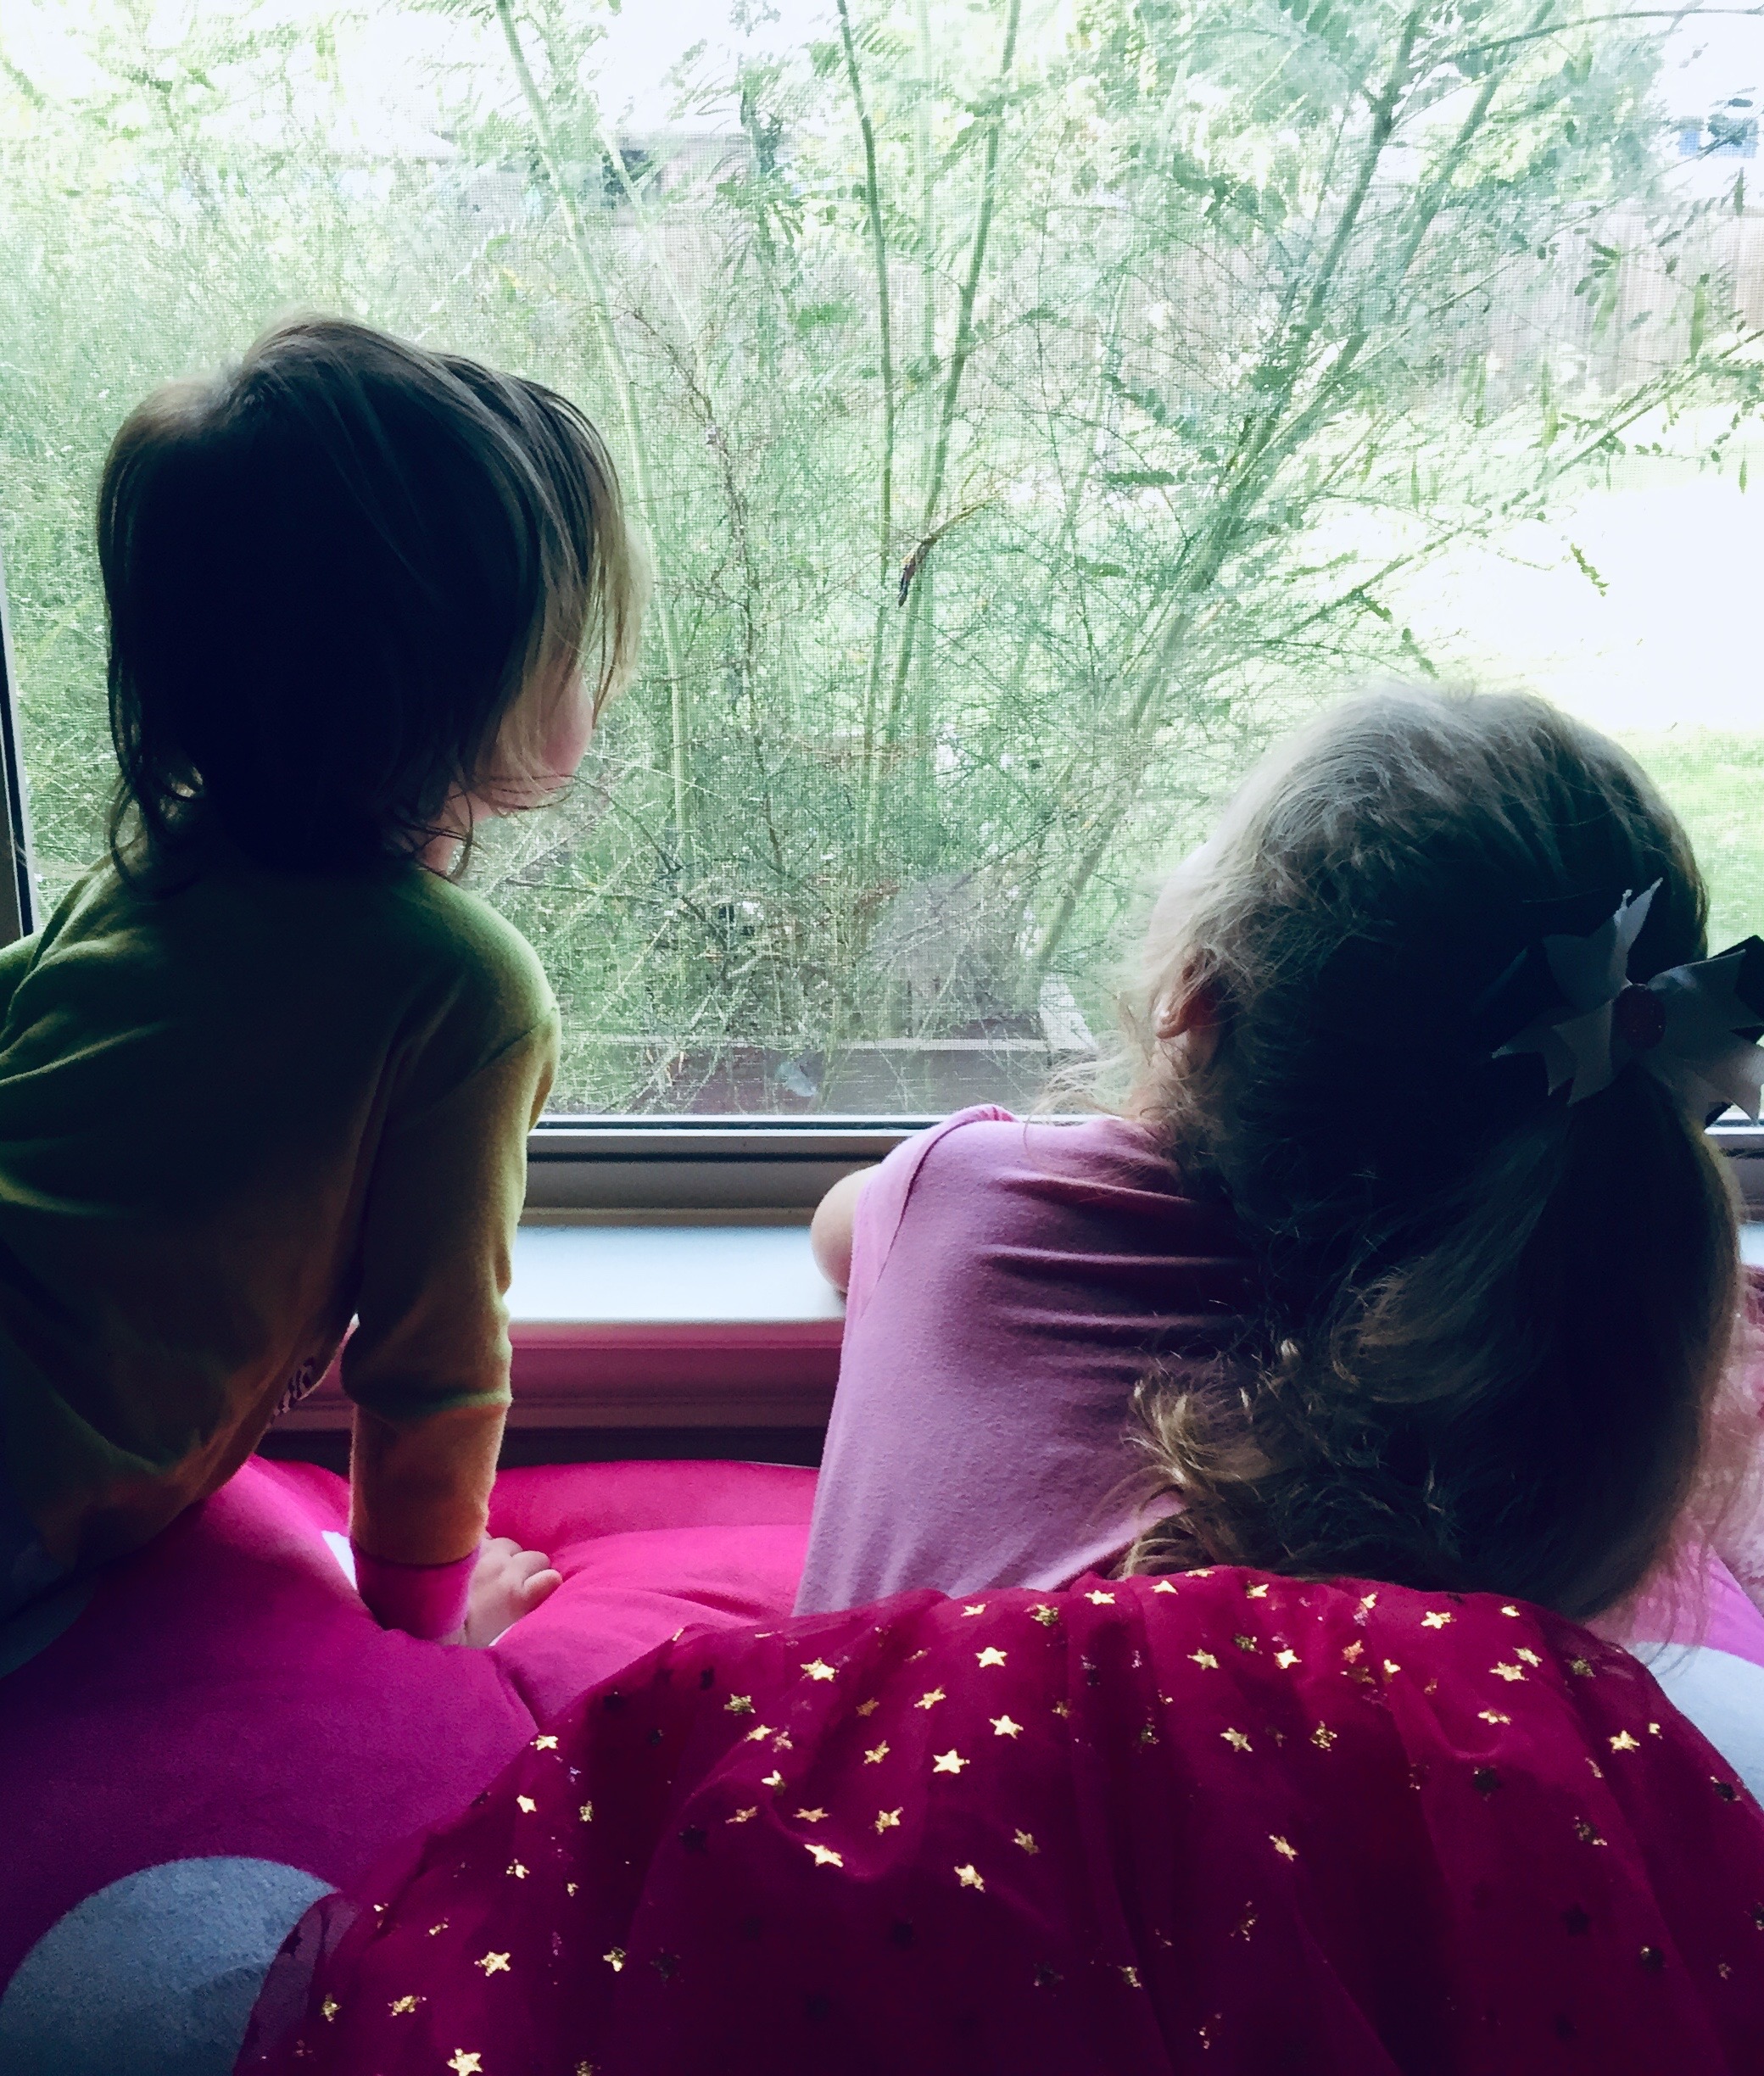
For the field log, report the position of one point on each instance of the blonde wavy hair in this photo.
(1492, 1329)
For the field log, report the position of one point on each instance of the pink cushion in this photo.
(196, 1744)
(223, 1698)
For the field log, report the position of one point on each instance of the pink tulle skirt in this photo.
(1227, 1823)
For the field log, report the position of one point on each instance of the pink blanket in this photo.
(213, 1732)
(1223, 1823)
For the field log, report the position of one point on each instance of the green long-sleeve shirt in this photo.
(232, 1118)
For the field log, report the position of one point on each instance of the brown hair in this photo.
(334, 574)
(1493, 1326)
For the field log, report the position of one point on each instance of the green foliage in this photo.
(1713, 781)
(1206, 321)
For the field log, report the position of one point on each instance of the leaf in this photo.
(1413, 649)
(1586, 569)
(1148, 400)
(1143, 479)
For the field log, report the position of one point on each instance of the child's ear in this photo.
(1190, 1021)
(1192, 1008)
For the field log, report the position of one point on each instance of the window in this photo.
(1031, 408)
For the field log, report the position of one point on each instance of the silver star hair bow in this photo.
(1687, 1026)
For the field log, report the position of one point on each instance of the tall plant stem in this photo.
(1281, 433)
(1108, 365)
(963, 348)
(549, 25)
(646, 229)
(924, 598)
(926, 190)
(618, 373)
(884, 500)
(1280, 373)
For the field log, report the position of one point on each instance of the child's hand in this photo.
(508, 1582)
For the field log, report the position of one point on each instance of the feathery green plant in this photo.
(1028, 415)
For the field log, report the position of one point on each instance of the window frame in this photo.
(650, 1168)
(19, 914)
(708, 1167)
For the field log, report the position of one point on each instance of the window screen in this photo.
(1030, 409)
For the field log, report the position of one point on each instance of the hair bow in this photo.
(1691, 1027)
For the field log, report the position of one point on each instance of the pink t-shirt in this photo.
(1011, 1282)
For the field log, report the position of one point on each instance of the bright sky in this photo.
(1714, 57)
(645, 43)
(388, 47)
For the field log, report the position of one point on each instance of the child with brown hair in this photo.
(1409, 1246)
(267, 1069)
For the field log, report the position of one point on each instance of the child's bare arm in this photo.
(830, 1234)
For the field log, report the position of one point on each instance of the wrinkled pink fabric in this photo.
(1011, 1282)
(223, 1692)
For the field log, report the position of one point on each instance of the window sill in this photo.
(672, 1327)
(655, 1325)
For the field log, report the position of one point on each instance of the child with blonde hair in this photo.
(1409, 1247)
(1412, 1233)
(267, 1070)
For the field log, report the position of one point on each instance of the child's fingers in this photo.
(540, 1586)
(523, 1564)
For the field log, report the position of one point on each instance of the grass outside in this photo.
(1634, 608)
(1715, 780)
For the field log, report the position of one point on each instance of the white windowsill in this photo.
(674, 1325)
(658, 1324)
(602, 1276)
